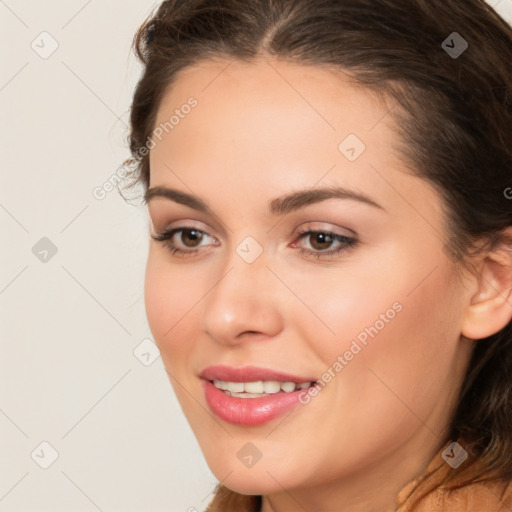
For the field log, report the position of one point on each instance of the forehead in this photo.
(280, 125)
(274, 91)
(253, 108)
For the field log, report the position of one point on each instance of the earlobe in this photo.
(489, 309)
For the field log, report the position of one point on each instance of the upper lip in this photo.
(249, 374)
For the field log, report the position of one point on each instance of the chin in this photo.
(251, 484)
(264, 477)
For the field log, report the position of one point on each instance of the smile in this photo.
(251, 396)
(259, 388)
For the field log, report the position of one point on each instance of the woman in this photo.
(329, 277)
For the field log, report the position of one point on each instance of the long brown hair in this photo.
(454, 128)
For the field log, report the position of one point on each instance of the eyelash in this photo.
(348, 243)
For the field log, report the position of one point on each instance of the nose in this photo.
(242, 303)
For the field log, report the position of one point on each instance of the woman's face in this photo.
(377, 324)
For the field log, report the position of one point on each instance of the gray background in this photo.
(79, 371)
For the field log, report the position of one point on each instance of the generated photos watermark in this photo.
(101, 191)
(357, 345)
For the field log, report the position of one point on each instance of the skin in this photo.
(259, 131)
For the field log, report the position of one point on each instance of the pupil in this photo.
(195, 234)
(327, 238)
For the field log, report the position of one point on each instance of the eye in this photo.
(191, 238)
(321, 239)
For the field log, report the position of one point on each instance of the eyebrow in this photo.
(278, 206)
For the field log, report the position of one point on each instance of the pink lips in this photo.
(249, 374)
(249, 411)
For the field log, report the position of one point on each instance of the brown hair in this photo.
(453, 118)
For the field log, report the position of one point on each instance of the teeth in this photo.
(288, 387)
(271, 386)
(248, 395)
(220, 384)
(236, 387)
(258, 388)
(253, 387)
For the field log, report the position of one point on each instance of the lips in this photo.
(250, 374)
(249, 411)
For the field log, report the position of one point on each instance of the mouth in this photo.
(250, 374)
(251, 396)
(258, 389)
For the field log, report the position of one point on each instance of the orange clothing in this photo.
(494, 496)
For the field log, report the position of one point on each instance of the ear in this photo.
(490, 306)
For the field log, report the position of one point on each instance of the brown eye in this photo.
(320, 240)
(190, 239)
(193, 235)
(188, 243)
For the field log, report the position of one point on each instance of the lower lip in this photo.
(249, 411)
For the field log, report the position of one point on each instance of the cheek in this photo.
(397, 336)
(156, 299)
(169, 300)
(396, 381)
(395, 305)
(409, 353)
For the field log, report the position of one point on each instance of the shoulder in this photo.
(494, 496)
(429, 493)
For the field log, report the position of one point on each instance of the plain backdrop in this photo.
(88, 418)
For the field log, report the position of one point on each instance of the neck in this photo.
(371, 489)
